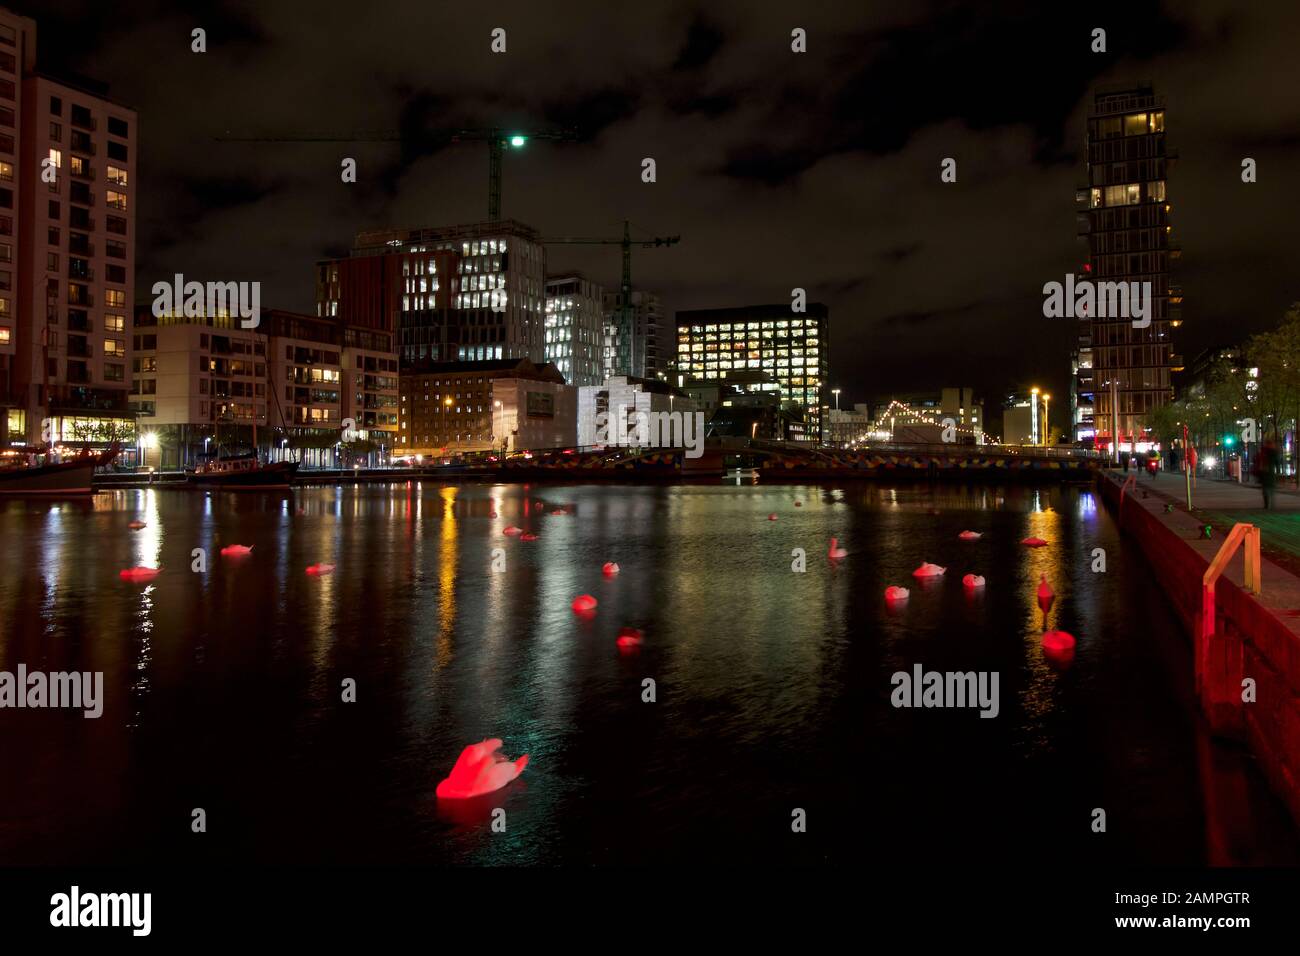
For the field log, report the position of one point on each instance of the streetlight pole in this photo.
(836, 393)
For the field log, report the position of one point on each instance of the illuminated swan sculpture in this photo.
(319, 569)
(927, 570)
(480, 769)
(972, 581)
(772, 516)
(609, 569)
(527, 536)
(139, 574)
(237, 550)
(629, 638)
(970, 535)
(584, 604)
(1034, 543)
(893, 593)
(835, 552)
(512, 531)
(137, 525)
(1058, 643)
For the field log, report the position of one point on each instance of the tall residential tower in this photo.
(1122, 373)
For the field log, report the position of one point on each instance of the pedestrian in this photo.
(1266, 470)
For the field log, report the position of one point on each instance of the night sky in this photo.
(778, 170)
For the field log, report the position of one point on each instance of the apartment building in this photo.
(68, 192)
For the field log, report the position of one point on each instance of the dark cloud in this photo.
(817, 170)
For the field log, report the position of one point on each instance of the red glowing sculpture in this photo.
(629, 638)
(609, 569)
(512, 531)
(970, 535)
(137, 525)
(237, 550)
(1058, 642)
(894, 593)
(835, 552)
(927, 570)
(772, 516)
(528, 536)
(584, 604)
(319, 569)
(972, 581)
(480, 769)
(1034, 543)
(139, 574)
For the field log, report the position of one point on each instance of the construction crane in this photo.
(498, 139)
(627, 242)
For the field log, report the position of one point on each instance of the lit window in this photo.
(117, 176)
(4, 335)
(116, 200)
(57, 156)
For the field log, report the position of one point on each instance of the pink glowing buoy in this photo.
(527, 536)
(836, 552)
(237, 550)
(584, 604)
(1058, 642)
(927, 570)
(137, 525)
(771, 517)
(972, 581)
(139, 574)
(1034, 543)
(609, 569)
(970, 535)
(319, 569)
(512, 531)
(480, 769)
(894, 593)
(629, 637)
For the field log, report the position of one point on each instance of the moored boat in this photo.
(24, 476)
(242, 473)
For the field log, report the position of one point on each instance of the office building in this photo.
(790, 347)
(1121, 373)
(575, 328)
(638, 342)
(505, 405)
(463, 293)
(599, 406)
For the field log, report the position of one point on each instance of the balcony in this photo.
(79, 323)
(83, 248)
(84, 299)
(87, 173)
(84, 274)
(77, 374)
(82, 119)
(77, 348)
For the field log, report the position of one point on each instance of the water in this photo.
(773, 687)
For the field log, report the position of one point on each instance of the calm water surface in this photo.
(223, 689)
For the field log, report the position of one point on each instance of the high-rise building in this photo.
(68, 194)
(459, 293)
(575, 328)
(637, 343)
(791, 347)
(1122, 373)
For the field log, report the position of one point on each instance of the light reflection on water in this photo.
(224, 687)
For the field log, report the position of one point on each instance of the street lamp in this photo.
(495, 405)
(836, 393)
(1047, 436)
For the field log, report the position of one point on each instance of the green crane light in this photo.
(517, 141)
(1228, 440)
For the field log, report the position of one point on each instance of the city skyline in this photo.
(834, 189)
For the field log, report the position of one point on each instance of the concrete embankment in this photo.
(1251, 638)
